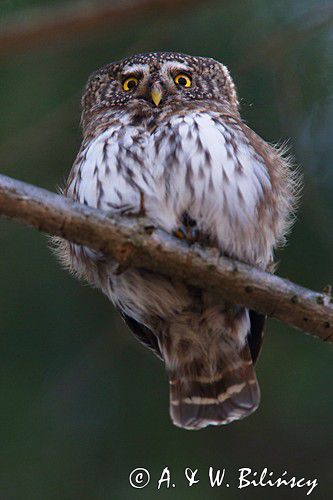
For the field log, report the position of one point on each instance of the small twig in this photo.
(133, 241)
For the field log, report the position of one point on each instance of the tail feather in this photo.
(232, 394)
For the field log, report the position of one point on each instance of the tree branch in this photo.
(50, 24)
(134, 242)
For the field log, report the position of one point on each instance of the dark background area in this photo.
(82, 403)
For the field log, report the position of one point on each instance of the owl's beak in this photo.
(156, 95)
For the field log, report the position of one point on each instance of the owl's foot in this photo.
(188, 230)
(190, 235)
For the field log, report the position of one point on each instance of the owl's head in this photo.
(155, 80)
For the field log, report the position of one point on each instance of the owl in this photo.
(163, 138)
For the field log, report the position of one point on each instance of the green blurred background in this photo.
(82, 403)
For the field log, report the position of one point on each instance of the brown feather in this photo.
(233, 394)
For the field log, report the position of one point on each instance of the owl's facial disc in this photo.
(156, 84)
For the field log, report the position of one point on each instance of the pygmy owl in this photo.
(163, 137)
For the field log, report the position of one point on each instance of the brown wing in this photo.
(256, 335)
(148, 339)
(142, 333)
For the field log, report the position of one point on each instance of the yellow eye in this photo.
(183, 80)
(130, 83)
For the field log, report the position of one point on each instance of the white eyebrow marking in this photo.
(135, 68)
(174, 65)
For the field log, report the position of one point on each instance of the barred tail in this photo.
(232, 394)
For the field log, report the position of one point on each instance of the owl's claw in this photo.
(188, 231)
(191, 235)
(180, 233)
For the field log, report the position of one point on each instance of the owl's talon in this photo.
(180, 233)
(190, 234)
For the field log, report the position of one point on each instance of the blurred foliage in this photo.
(81, 402)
